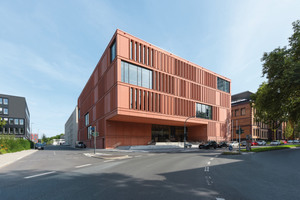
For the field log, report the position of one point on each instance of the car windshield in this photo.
(38, 144)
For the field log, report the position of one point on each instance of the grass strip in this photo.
(262, 149)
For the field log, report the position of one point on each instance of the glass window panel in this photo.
(113, 51)
(1, 101)
(146, 78)
(203, 111)
(150, 77)
(139, 76)
(16, 121)
(21, 121)
(5, 111)
(132, 74)
(126, 72)
(5, 101)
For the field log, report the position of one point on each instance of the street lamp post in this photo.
(185, 131)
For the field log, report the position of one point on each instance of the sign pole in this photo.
(239, 139)
(95, 139)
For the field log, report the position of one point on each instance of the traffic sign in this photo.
(239, 131)
(95, 133)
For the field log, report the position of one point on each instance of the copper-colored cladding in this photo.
(177, 86)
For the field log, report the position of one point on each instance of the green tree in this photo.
(282, 70)
(2, 122)
(289, 130)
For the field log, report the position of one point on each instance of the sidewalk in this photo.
(8, 158)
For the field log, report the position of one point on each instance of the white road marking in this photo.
(40, 174)
(206, 169)
(211, 159)
(208, 163)
(108, 160)
(208, 180)
(220, 199)
(138, 156)
(83, 165)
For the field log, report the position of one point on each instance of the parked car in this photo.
(243, 143)
(296, 141)
(234, 144)
(39, 146)
(275, 142)
(188, 145)
(80, 145)
(283, 141)
(261, 142)
(208, 145)
(290, 141)
(222, 144)
(254, 143)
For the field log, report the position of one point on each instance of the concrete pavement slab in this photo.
(8, 158)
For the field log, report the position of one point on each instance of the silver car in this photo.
(261, 142)
(275, 142)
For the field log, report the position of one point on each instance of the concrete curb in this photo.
(9, 158)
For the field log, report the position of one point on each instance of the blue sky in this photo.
(49, 48)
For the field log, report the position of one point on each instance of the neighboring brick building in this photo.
(243, 115)
(139, 93)
(34, 137)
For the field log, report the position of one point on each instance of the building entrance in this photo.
(162, 133)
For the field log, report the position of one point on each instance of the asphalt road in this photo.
(64, 173)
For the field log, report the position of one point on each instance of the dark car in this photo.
(208, 145)
(80, 145)
(222, 144)
(39, 146)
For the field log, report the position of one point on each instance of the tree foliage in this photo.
(279, 98)
(2, 122)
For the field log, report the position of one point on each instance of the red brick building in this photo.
(139, 93)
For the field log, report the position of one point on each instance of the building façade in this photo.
(139, 94)
(14, 111)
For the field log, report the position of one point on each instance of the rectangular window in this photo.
(144, 54)
(135, 50)
(11, 130)
(5, 111)
(139, 76)
(78, 113)
(131, 98)
(236, 112)
(113, 51)
(11, 121)
(21, 121)
(136, 75)
(1, 110)
(89, 132)
(87, 120)
(5, 101)
(223, 85)
(243, 111)
(1, 101)
(140, 53)
(203, 111)
(135, 99)
(133, 74)
(16, 121)
(147, 56)
(131, 49)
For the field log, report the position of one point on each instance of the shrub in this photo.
(10, 144)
